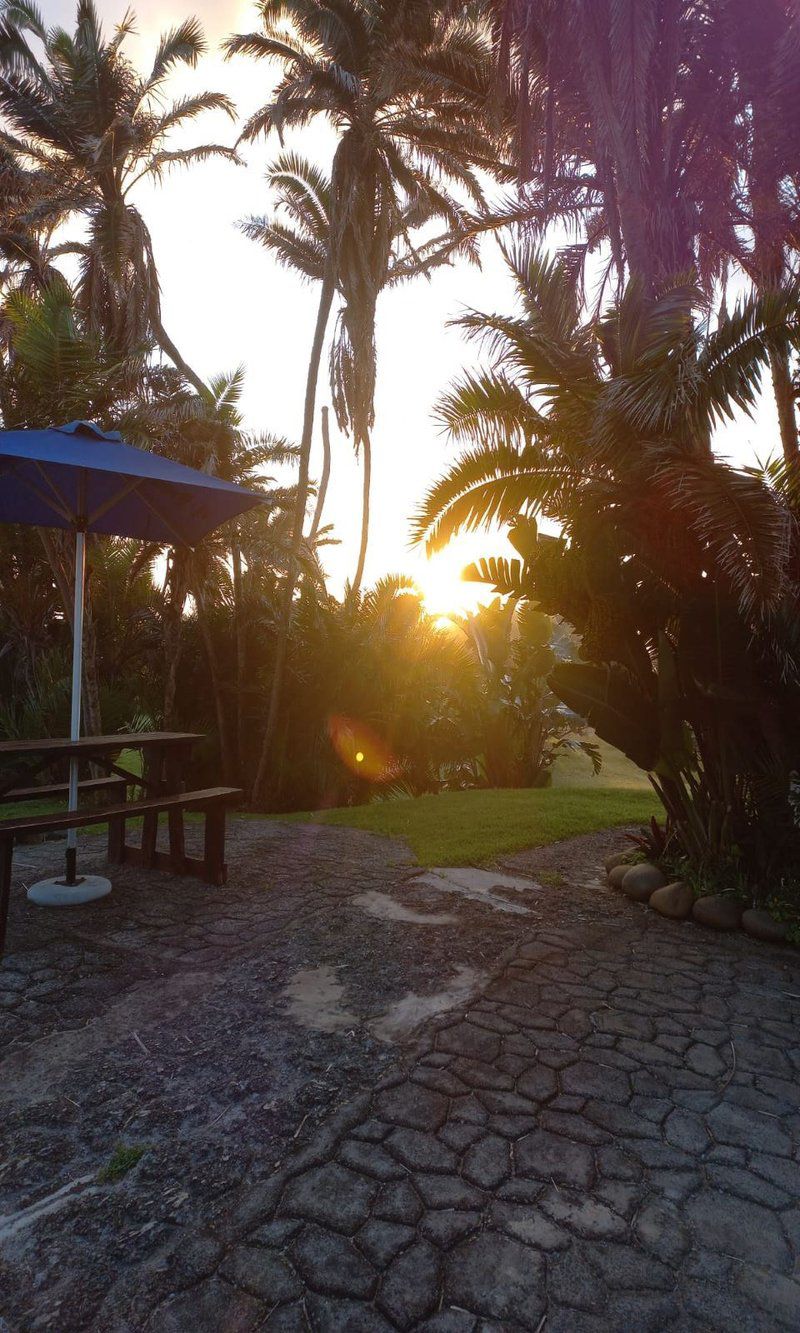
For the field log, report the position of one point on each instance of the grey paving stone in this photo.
(370, 1159)
(585, 1216)
(571, 1281)
(331, 1265)
(496, 1276)
(487, 1163)
(398, 1202)
(381, 1241)
(262, 1273)
(330, 1194)
(466, 1039)
(738, 1227)
(660, 1228)
(776, 1295)
(445, 1226)
(623, 1267)
(552, 1157)
(746, 1184)
(686, 1130)
(410, 1285)
(526, 1222)
(343, 1316)
(588, 1079)
(420, 1151)
(733, 1124)
(211, 1305)
(447, 1192)
(413, 1106)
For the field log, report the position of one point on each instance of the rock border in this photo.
(645, 883)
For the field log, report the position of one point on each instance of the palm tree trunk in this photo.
(167, 345)
(366, 445)
(324, 479)
(784, 399)
(282, 641)
(223, 730)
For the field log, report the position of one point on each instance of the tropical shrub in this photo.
(678, 572)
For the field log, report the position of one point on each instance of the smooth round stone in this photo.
(616, 859)
(718, 912)
(762, 926)
(55, 893)
(640, 882)
(617, 874)
(673, 900)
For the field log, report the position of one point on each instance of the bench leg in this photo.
(177, 845)
(149, 836)
(6, 855)
(214, 851)
(116, 840)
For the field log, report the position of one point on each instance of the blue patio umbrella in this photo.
(83, 479)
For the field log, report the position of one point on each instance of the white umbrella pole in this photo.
(73, 889)
(77, 679)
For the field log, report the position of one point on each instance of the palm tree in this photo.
(206, 431)
(82, 113)
(678, 572)
(661, 134)
(377, 70)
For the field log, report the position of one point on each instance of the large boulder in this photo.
(673, 900)
(641, 881)
(718, 912)
(617, 874)
(616, 859)
(763, 926)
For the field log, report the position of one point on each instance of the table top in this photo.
(59, 746)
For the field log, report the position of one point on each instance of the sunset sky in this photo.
(225, 301)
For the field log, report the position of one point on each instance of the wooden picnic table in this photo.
(164, 758)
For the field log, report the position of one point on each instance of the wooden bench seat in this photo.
(212, 802)
(58, 790)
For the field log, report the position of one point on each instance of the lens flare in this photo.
(361, 749)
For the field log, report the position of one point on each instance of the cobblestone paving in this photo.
(607, 1137)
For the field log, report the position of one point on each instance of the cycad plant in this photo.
(404, 86)
(78, 110)
(680, 573)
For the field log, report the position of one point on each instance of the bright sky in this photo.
(225, 301)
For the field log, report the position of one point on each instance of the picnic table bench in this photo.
(160, 782)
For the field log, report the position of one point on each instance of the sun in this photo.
(439, 579)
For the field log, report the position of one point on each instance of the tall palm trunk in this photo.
(284, 624)
(223, 729)
(168, 347)
(325, 478)
(366, 448)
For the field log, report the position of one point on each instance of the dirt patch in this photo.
(318, 1000)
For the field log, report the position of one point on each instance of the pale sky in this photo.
(225, 301)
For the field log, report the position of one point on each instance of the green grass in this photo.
(472, 827)
(123, 1159)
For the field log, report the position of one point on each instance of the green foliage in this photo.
(677, 571)
(123, 1159)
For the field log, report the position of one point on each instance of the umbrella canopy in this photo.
(87, 480)
(82, 478)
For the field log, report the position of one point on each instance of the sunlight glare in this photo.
(439, 578)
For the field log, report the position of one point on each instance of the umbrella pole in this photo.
(77, 680)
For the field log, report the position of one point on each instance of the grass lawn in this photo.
(471, 827)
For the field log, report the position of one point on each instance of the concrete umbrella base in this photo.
(57, 893)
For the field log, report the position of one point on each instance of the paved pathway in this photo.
(605, 1137)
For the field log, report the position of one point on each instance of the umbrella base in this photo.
(57, 893)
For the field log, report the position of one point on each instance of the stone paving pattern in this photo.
(606, 1138)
